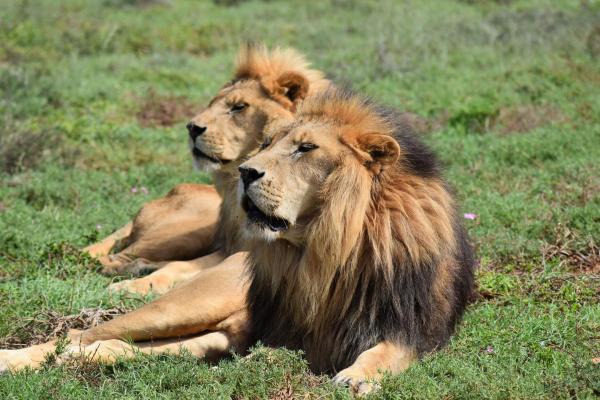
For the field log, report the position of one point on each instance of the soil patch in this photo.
(580, 259)
(523, 119)
(157, 110)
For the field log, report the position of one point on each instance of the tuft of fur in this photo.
(282, 72)
(384, 258)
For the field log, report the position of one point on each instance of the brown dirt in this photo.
(228, 3)
(501, 2)
(21, 149)
(137, 3)
(521, 119)
(506, 121)
(423, 125)
(579, 259)
(157, 110)
(49, 325)
(584, 72)
(577, 189)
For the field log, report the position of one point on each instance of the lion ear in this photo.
(383, 149)
(288, 89)
(293, 85)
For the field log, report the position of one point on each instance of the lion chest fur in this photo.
(228, 237)
(411, 290)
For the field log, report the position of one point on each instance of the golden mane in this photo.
(414, 197)
(384, 256)
(274, 68)
(344, 109)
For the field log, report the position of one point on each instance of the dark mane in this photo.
(418, 158)
(407, 275)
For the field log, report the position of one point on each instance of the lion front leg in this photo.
(30, 357)
(210, 345)
(213, 301)
(229, 334)
(104, 247)
(112, 264)
(220, 338)
(371, 364)
(168, 276)
(195, 306)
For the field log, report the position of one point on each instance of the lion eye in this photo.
(265, 144)
(238, 107)
(306, 147)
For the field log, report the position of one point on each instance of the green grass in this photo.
(509, 87)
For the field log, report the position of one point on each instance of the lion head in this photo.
(353, 235)
(334, 134)
(267, 86)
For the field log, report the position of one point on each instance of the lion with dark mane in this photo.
(357, 253)
(356, 256)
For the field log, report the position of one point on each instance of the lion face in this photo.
(232, 125)
(279, 185)
(284, 186)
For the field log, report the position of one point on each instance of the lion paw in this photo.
(103, 351)
(142, 286)
(14, 360)
(121, 264)
(357, 383)
(3, 365)
(131, 286)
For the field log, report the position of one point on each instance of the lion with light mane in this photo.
(357, 254)
(205, 315)
(191, 222)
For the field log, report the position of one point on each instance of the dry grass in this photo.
(49, 325)
(580, 259)
(521, 119)
(22, 149)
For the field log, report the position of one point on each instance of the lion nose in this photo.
(195, 130)
(249, 175)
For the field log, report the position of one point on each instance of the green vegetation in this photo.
(93, 100)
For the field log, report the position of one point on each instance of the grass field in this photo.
(93, 101)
